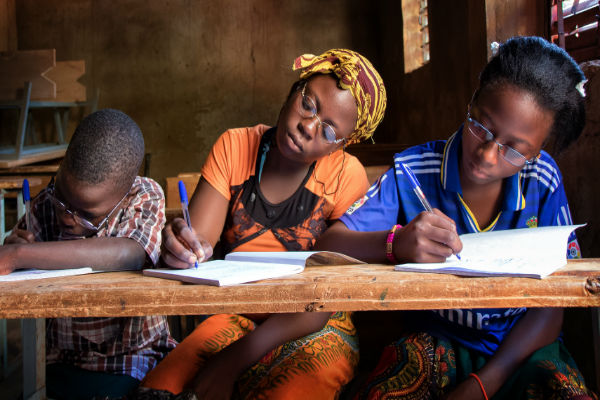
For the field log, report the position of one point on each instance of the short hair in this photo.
(107, 144)
(549, 74)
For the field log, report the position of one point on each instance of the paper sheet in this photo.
(529, 252)
(28, 274)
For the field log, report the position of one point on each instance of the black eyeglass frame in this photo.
(507, 152)
(82, 221)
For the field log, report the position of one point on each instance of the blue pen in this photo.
(27, 203)
(417, 189)
(184, 206)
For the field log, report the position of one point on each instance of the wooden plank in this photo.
(8, 26)
(506, 19)
(33, 158)
(331, 288)
(31, 169)
(34, 358)
(190, 179)
(582, 18)
(376, 154)
(585, 54)
(375, 171)
(66, 75)
(17, 182)
(36, 184)
(19, 67)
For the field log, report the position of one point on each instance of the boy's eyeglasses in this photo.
(308, 109)
(508, 153)
(82, 221)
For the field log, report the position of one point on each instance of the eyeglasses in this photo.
(308, 109)
(508, 153)
(82, 221)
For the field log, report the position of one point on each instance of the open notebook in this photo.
(528, 252)
(242, 267)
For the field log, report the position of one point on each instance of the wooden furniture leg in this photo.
(34, 358)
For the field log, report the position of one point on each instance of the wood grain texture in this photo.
(33, 158)
(27, 65)
(8, 26)
(356, 288)
(66, 75)
(190, 179)
(17, 182)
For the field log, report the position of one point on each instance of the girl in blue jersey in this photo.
(489, 175)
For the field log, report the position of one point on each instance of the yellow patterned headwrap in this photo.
(354, 73)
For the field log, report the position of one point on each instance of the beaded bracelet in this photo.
(485, 396)
(389, 251)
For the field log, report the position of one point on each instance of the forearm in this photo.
(366, 246)
(102, 254)
(537, 328)
(276, 330)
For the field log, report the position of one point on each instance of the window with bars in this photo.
(574, 27)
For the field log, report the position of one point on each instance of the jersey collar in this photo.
(514, 200)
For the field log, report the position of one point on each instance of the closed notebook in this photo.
(243, 267)
(528, 252)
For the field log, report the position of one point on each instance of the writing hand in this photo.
(19, 236)
(429, 237)
(181, 247)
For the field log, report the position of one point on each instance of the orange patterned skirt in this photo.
(316, 366)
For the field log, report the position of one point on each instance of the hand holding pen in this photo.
(27, 203)
(184, 207)
(18, 235)
(429, 237)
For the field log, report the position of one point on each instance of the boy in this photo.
(97, 196)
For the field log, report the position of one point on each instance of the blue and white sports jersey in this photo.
(533, 197)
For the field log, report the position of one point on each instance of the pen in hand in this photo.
(184, 206)
(417, 189)
(27, 203)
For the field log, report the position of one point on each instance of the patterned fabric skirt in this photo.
(421, 366)
(316, 366)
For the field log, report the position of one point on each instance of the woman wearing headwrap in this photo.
(276, 189)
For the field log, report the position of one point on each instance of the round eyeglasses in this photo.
(508, 153)
(307, 108)
(82, 221)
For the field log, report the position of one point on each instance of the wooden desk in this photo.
(336, 288)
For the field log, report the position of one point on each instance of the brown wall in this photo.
(187, 70)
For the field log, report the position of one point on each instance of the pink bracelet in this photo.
(389, 251)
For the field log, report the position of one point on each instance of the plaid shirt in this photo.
(129, 345)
